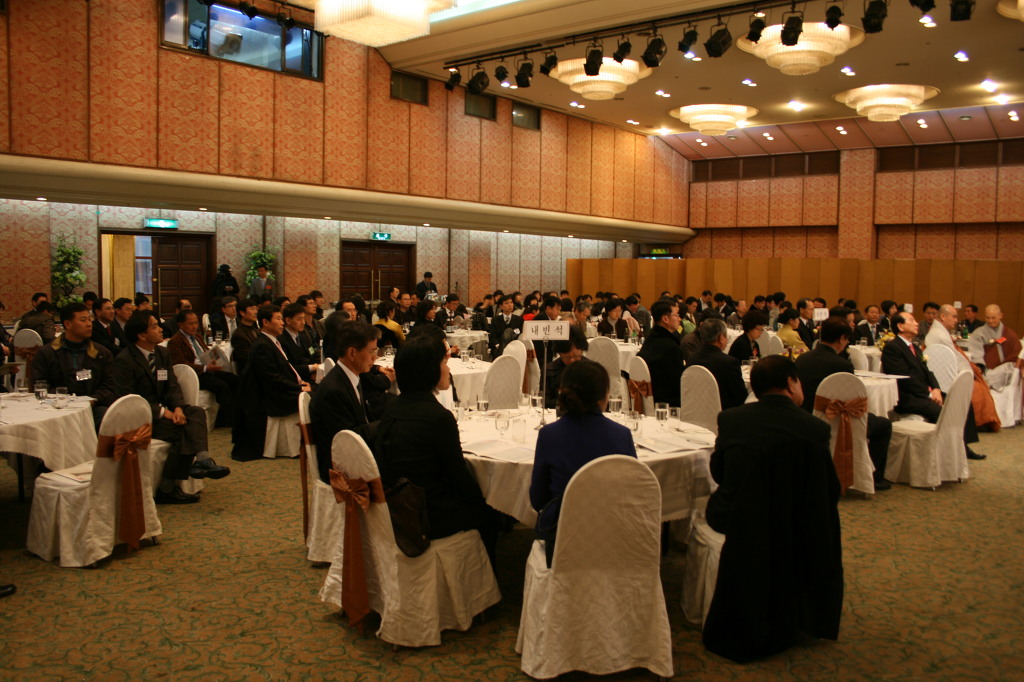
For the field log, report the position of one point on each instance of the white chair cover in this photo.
(699, 400)
(775, 345)
(517, 349)
(857, 357)
(844, 386)
(604, 351)
(638, 371)
(329, 365)
(417, 598)
(189, 382)
(600, 608)
(79, 520)
(924, 455)
(700, 575)
(533, 368)
(326, 517)
(942, 362)
(283, 437)
(763, 344)
(26, 338)
(206, 321)
(1005, 384)
(504, 383)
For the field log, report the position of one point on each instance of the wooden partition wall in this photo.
(867, 281)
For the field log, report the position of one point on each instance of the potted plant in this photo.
(66, 270)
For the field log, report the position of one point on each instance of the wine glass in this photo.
(62, 397)
(502, 423)
(661, 414)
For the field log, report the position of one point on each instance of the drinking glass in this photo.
(661, 413)
(615, 403)
(674, 413)
(457, 410)
(634, 423)
(218, 337)
(62, 397)
(502, 423)
(862, 342)
(524, 400)
(481, 404)
(745, 364)
(519, 431)
(40, 389)
(537, 402)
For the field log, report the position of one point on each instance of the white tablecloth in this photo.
(732, 335)
(60, 438)
(468, 378)
(685, 475)
(874, 356)
(465, 338)
(627, 351)
(882, 392)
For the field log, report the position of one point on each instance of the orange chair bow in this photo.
(124, 448)
(845, 410)
(26, 353)
(638, 390)
(356, 494)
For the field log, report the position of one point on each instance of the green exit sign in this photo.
(161, 223)
(381, 236)
(659, 251)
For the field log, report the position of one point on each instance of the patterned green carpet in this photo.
(935, 590)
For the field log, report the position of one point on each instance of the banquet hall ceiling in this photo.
(904, 52)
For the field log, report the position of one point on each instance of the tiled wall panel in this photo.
(680, 196)
(974, 199)
(122, 83)
(299, 259)
(976, 241)
(387, 132)
(643, 181)
(822, 242)
(856, 204)
(758, 243)
(530, 261)
(664, 179)
(935, 241)
(298, 130)
(508, 262)
(463, 150)
(345, 101)
(602, 174)
(237, 234)
(897, 241)
(699, 204)
(481, 260)
(5, 113)
(726, 244)
(328, 260)
(1010, 197)
(428, 143)
(578, 171)
(554, 160)
(821, 200)
(246, 114)
(24, 240)
(790, 242)
(624, 175)
(721, 204)
(458, 258)
(698, 247)
(525, 167)
(786, 196)
(894, 198)
(79, 222)
(496, 157)
(552, 261)
(189, 134)
(933, 196)
(752, 203)
(1010, 243)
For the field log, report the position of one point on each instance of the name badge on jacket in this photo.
(83, 375)
(161, 375)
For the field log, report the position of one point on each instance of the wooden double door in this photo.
(370, 269)
(181, 269)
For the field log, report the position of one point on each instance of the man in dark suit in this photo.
(662, 352)
(447, 313)
(103, 327)
(226, 321)
(824, 361)
(186, 347)
(339, 404)
(123, 309)
(919, 392)
(725, 369)
(145, 368)
(781, 568)
(302, 354)
(269, 387)
(805, 329)
(245, 335)
(314, 326)
(426, 286)
(870, 327)
(504, 326)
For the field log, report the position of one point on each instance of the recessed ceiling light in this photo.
(698, 140)
(769, 138)
(965, 117)
(504, 230)
(623, 241)
(659, 93)
(202, 208)
(843, 132)
(1002, 99)
(703, 144)
(570, 236)
(796, 106)
(922, 125)
(748, 83)
(921, 120)
(927, 21)
(695, 59)
(40, 198)
(632, 122)
(839, 127)
(759, 15)
(848, 71)
(664, 131)
(452, 69)
(1013, 116)
(961, 56)
(766, 134)
(731, 137)
(989, 86)
(327, 217)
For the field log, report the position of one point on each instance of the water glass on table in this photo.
(661, 413)
(634, 422)
(457, 410)
(482, 404)
(614, 404)
(501, 423)
(537, 402)
(40, 388)
(62, 397)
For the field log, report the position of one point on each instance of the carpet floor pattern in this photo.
(934, 591)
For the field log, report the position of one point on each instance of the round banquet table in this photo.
(464, 338)
(881, 391)
(468, 377)
(627, 351)
(731, 335)
(874, 356)
(504, 473)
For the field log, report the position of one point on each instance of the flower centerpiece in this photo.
(884, 339)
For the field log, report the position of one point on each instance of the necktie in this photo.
(913, 350)
(196, 347)
(281, 351)
(362, 402)
(152, 363)
(506, 319)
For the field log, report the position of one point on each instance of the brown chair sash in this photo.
(307, 441)
(356, 494)
(124, 448)
(845, 410)
(27, 353)
(638, 390)
(531, 354)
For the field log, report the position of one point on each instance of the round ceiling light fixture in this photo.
(887, 102)
(612, 80)
(817, 46)
(713, 119)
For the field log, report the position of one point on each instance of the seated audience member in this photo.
(745, 346)
(40, 318)
(187, 347)
(761, 304)
(690, 317)
(774, 304)
(581, 319)
(994, 344)
(282, 301)
(735, 319)
(919, 392)
(550, 311)
(142, 302)
(170, 327)
(269, 387)
(418, 439)
(226, 322)
(638, 313)
(612, 322)
(722, 306)
(318, 301)
(870, 328)
(780, 572)
(663, 353)
(805, 307)
(75, 362)
(103, 327)
(889, 309)
(145, 368)
(929, 312)
(406, 311)
(825, 360)
(245, 334)
(314, 327)
(360, 307)
(505, 326)
(426, 311)
(89, 299)
(485, 305)
(726, 370)
(452, 313)
(298, 347)
(941, 334)
(341, 402)
(391, 333)
(971, 320)
(123, 309)
(789, 324)
(581, 434)
(568, 351)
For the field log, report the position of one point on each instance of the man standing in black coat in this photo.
(144, 368)
(726, 369)
(824, 361)
(919, 392)
(661, 351)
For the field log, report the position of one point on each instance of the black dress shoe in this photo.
(882, 484)
(7, 590)
(207, 468)
(971, 454)
(176, 496)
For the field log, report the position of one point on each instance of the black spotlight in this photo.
(925, 6)
(655, 52)
(874, 16)
(454, 78)
(756, 28)
(792, 29)
(524, 75)
(719, 42)
(595, 57)
(248, 9)
(690, 39)
(834, 16)
(478, 82)
(286, 22)
(625, 47)
(550, 62)
(961, 10)
(501, 73)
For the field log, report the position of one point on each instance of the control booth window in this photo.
(269, 41)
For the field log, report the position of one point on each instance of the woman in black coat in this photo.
(745, 346)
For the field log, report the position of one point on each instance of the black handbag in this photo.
(407, 505)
